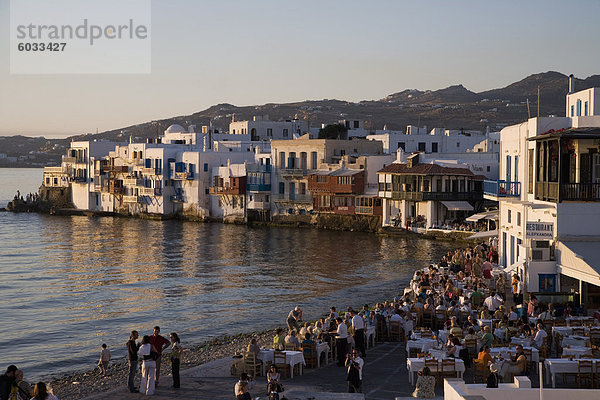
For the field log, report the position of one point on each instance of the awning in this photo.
(483, 235)
(457, 206)
(484, 215)
(579, 259)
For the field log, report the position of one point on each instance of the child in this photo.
(104, 359)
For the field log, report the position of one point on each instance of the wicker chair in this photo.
(280, 361)
(252, 365)
(309, 350)
(585, 372)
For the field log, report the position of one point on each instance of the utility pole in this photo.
(538, 114)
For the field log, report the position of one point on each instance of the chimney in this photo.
(571, 84)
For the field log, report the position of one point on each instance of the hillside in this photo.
(453, 107)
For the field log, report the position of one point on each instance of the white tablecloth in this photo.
(414, 365)
(535, 354)
(421, 344)
(566, 330)
(575, 341)
(562, 366)
(499, 333)
(576, 351)
(525, 342)
(291, 357)
(443, 335)
(322, 347)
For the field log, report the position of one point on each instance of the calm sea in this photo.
(69, 284)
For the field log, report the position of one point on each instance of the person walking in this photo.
(149, 356)
(160, 343)
(104, 359)
(132, 357)
(292, 319)
(176, 350)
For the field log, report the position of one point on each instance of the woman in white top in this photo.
(148, 354)
(273, 377)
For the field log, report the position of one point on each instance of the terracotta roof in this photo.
(424, 169)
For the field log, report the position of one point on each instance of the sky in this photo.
(273, 51)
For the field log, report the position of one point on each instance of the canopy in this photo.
(457, 205)
(483, 235)
(579, 259)
(484, 215)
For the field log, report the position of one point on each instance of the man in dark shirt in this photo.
(160, 343)
(132, 351)
(7, 381)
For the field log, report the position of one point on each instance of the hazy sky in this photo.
(254, 52)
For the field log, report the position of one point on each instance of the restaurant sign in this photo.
(539, 230)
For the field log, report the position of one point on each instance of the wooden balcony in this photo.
(546, 191)
(297, 198)
(130, 199)
(150, 191)
(226, 190)
(259, 205)
(133, 182)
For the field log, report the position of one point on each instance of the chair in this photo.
(471, 345)
(530, 363)
(574, 322)
(309, 351)
(560, 322)
(280, 361)
(558, 340)
(448, 368)
(396, 331)
(479, 370)
(428, 319)
(426, 333)
(433, 365)
(579, 331)
(252, 365)
(381, 331)
(585, 372)
(440, 318)
(291, 347)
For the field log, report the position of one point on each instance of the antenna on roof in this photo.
(528, 110)
(538, 101)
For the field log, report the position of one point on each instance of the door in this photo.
(504, 249)
(507, 168)
(292, 191)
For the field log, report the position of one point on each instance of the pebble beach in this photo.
(82, 384)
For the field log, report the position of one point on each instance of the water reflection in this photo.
(84, 281)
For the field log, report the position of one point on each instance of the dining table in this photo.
(292, 358)
(556, 366)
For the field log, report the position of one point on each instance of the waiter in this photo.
(358, 325)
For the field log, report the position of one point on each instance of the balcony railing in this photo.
(152, 171)
(547, 191)
(441, 196)
(133, 182)
(502, 188)
(298, 198)
(182, 176)
(259, 205)
(258, 187)
(580, 191)
(53, 170)
(258, 168)
(226, 190)
(364, 210)
(130, 199)
(293, 172)
(150, 191)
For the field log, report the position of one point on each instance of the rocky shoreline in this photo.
(81, 384)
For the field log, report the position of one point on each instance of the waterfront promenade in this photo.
(385, 377)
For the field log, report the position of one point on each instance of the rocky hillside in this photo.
(453, 107)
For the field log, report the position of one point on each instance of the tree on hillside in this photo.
(333, 131)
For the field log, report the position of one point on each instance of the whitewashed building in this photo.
(549, 202)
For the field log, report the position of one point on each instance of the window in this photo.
(322, 178)
(508, 168)
(285, 133)
(421, 146)
(282, 159)
(509, 216)
(512, 249)
(516, 169)
(530, 173)
(585, 108)
(402, 145)
(434, 147)
(457, 144)
(572, 111)
(281, 187)
(269, 132)
(356, 124)
(519, 241)
(547, 283)
(578, 108)
(518, 219)
(488, 168)
(206, 191)
(302, 188)
(313, 160)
